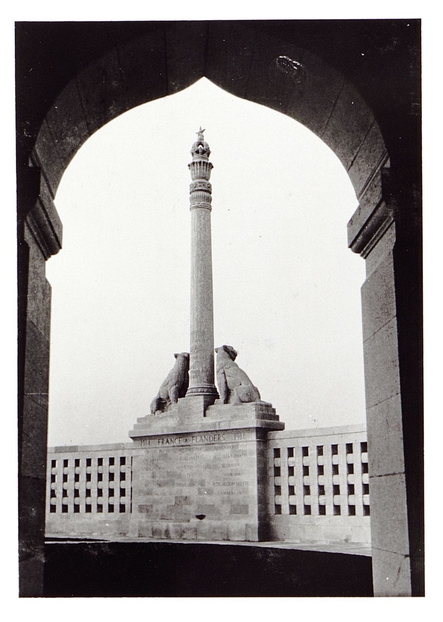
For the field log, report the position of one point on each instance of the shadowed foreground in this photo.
(114, 569)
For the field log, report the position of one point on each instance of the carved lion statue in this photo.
(174, 386)
(234, 385)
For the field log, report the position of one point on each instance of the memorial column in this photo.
(201, 373)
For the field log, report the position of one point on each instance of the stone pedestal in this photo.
(202, 477)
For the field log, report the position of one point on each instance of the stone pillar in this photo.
(201, 375)
(39, 237)
(385, 234)
(201, 473)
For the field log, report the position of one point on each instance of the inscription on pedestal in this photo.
(191, 439)
(199, 485)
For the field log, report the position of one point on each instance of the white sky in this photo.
(286, 287)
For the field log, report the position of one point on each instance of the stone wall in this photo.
(317, 487)
(89, 490)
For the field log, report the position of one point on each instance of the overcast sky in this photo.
(286, 287)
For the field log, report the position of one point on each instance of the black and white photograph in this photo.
(220, 308)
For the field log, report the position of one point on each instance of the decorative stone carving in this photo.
(200, 167)
(200, 149)
(200, 184)
(174, 386)
(234, 386)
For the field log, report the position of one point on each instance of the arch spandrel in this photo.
(236, 58)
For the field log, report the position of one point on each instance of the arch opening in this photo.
(281, 202)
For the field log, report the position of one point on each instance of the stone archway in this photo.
(253, 67)
(268, 70)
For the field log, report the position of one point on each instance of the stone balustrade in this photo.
(317, 487)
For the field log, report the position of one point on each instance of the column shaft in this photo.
(202, 318)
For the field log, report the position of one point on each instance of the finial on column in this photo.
(200, 167)
(200, 149)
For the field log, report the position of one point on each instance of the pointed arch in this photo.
(243, 59)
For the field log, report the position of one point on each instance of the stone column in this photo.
(201, 375)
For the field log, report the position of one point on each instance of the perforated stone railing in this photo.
(319, 479)
(317, 487)
(90, 480)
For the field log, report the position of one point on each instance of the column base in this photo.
(196, 413)
(201, 397)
